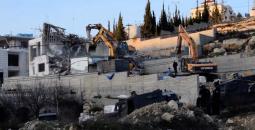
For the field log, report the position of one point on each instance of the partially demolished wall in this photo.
(59, 48)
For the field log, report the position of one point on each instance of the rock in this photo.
(173, 105)
(208, 118)
(84, 117)
(219, 50)
(190, 113)
(236, 41)
(167, 117)
(252, 41)
(229, 121)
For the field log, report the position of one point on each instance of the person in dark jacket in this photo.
(204, 99)
(216, 99)
(175, 65)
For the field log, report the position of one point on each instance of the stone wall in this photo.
(234, 63)
(92, 85)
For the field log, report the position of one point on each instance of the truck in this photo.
(126, 106)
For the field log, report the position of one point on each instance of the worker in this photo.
(175, 65)
(204, 99)
(130, 68)
(216, 99)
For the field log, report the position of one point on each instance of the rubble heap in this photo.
(169, 116)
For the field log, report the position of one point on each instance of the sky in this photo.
(27, 16)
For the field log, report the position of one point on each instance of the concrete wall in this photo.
(234, 63)
(22, 69)
(4, 62)
(169, 43)
(226, 64)
(34, 66)
(92, 84)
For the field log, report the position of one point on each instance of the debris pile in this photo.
(236, 27)
(230, 46)
(169, 116)
(241, 122)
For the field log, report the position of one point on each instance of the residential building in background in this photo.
(252, 13)
(14, 56)
(227, 12)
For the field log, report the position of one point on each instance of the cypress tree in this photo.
(199, 18)
(154, 24)
(205, 14)
(177, 17)
(170, 21)
(186, 21)
(183, 21)
(216, 16)
(191, 21)
(109, 25)
(163, 20)
(171, 24)
(147, 25)
(239, 16)
(120, 32)
(114, 27)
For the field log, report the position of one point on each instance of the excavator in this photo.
(116, 49)
(192, 64)
(105, 36)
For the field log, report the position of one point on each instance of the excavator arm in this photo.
(183, 35)
(109, 44)
(104, 35)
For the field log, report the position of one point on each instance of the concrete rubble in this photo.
(184, 117)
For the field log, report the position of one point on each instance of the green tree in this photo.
(199, 18)
(177, 18)
(163, 20)
(205, 14)
(109, 25)
(114, 27)
(120, 32)
(239, 16)
(154, 24)
(147, 25)
(190, 21)
(170, 21)
(183, 21)
(171, 24)
(216, 15)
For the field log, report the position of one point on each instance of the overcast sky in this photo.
(26, 16)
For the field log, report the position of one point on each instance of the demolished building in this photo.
(14, 56)
(51, 53)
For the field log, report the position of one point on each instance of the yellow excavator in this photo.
(105, 36)
(192, 64)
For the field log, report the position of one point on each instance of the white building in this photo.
(38, 61)
(133, 31)
(227, 12)
(49, 55)
(252, 13)
(13, 56)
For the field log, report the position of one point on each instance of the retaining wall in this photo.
(92, 85)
